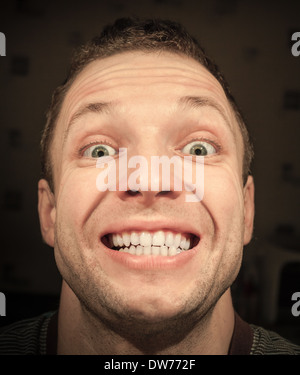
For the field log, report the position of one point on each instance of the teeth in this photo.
(132, 250)
(155, 250)
(164, 250)
(120, 240)
(187, 244)
(139, 250)
(172, 250)
(115, 240)
(126, 239)
(145, 239)
(177, 240)
(146, 243)
(135, 238)
(169, 239)
(151, 250)
(158, 238)
(147, 250)
(182, 243)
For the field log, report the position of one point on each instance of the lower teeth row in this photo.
(152, 250)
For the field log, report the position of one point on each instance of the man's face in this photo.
(150, 104)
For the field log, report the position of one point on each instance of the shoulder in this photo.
(270, 343)
(26, 336)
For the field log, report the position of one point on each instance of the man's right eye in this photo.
(99, 150)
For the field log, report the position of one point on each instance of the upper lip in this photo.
(155, 224)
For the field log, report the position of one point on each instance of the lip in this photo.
(150, 262)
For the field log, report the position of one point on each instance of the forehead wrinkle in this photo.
(105, 71)
(129, 70)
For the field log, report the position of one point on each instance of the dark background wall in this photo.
(251, 41)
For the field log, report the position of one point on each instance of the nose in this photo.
(149, 182)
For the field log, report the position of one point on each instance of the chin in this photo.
(154, 311)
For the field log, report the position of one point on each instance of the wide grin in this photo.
(164, 243)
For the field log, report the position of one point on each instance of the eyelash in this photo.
(217, 146)
(94, 143)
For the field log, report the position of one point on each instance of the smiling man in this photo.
(144, 271)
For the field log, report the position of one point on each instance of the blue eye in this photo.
(97, 151)
(199, 148)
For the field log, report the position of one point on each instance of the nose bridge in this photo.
(148, 121)
(149, 143)
(138, 165)
(148, 139)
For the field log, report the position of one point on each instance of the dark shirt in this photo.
(38, 336)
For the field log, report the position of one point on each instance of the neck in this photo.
(80, 332)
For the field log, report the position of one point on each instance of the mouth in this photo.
(161, 242)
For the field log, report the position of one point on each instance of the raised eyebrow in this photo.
(198, 102)
(99, 107)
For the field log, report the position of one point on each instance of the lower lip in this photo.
(151, 262)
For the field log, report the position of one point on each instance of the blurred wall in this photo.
(249, 39)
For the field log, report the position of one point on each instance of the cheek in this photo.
(78, 195)
(76, 200)
(223, 200)
(223, 196)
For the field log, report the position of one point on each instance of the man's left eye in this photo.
(199, 148)
(99, 150)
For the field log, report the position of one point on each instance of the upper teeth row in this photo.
(159, 238)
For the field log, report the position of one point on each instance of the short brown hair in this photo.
(132, 34)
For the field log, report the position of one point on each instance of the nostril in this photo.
(133, 193)
(148, 195)
(164, 192)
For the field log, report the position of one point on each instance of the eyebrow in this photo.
(101, 107)
(106, 107)
(198, 102)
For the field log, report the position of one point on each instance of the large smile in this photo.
(161, 242)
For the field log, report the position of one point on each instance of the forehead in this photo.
(141, 74)
(143, 84)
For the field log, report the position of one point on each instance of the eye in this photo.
(99, 150)
(199, 148)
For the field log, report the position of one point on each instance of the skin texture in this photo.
(130, 304)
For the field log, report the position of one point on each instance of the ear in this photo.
(248, 209)
(47, 211)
